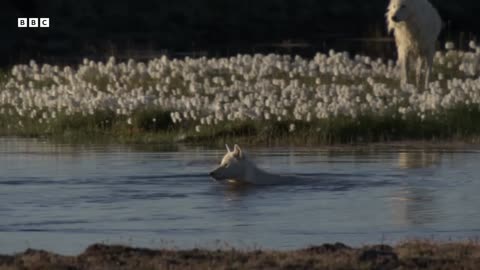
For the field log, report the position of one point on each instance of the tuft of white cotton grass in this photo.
(291, 128)
(472, 45)
(449, 45)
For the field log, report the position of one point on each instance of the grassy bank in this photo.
(409, 255)
(457, 124)
(257, 99)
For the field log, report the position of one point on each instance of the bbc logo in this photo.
(34, 22)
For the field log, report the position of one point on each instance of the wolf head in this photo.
(399, 11)
(233, 166)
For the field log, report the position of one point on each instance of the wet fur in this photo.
(236, 168)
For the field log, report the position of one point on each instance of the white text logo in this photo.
(34, 22)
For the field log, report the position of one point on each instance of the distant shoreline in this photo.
(242, 133)
(406, 255)
(344, 132)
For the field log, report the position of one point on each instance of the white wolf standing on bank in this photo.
(416, 26)
(237, 168)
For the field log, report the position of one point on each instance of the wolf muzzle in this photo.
(214, 175)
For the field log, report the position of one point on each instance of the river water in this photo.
(62, 197)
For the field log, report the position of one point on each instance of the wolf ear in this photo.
(237, 152)
(228, 148)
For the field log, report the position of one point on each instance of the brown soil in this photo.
(408, 255)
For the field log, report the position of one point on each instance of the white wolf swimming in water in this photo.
(416, 26)
(237, 168)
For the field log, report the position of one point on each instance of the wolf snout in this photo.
(213, 174)
(395, 18)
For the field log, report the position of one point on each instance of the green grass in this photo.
(460, 123)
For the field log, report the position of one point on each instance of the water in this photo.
(64, 197)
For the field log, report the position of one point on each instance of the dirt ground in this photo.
(407, 255)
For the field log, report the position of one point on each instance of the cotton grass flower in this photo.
(449, 45)
(472, 45)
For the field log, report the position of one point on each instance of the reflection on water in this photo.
(414, 203)
(414, 206)
(64, 197)
(418, 159)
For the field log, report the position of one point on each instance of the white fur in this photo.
(237, 168)
(416, 31)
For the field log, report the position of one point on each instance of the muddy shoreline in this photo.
(407, 255)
